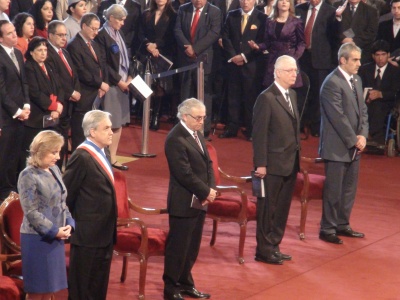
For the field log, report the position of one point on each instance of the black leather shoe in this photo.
(270, 259)
(121, 167)
(350, 233)
(173, 296)
(282, 256)
(330, 238)
(227, 134)
(194, 293)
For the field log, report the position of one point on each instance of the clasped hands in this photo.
(211, 197)
(361, 143)
(64, 232)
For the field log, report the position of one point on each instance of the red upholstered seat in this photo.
(134, 238)
(232, 204)
(9, 289)
(309, 185)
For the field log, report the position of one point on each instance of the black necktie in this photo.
(352, 9)
(353, 87)
(378, 80)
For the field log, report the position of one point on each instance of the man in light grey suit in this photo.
(344, 130)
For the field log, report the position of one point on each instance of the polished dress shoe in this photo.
(121, 167)
(350, 233)
(227, 134)
(283, 256)
(173, 296)
(330, 238)
(194, 293)
(270, 259)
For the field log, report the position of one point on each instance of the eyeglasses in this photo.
(199, 118)
(61, 35)
(291, 71)
(94, 29)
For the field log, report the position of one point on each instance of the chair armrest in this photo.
(311, 165)
(243, 197)
(237, 179)
(144, 236)
(10, 257)
(146, 210)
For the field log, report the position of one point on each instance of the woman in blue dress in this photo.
(47, 221)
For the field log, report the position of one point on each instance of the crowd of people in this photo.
(70, 62)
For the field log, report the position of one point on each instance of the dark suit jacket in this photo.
(131, 23)
(40, 89)
(390, 83)
(342, 119)
(290, 42)
(385, 32)
(235, 42)
(364, 23)
(324, 37)
(276, 135)
(18, 6)
(207, 33)
(88, 70)
(112, 59)
(91, 200)
(161, 33)
(69, 84)
(14, 90)
(191, 171)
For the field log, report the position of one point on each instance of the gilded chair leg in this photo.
(124, 268)
(214, 232)
(142, 277)
(243, 230)
(303, 218)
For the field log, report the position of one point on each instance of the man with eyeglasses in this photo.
(62, 64)
(91, 70)
(276, 146)
(191, 188)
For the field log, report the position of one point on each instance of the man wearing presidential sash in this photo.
(91, 199)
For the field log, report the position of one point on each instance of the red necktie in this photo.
(309, 27)
(194, 25)
(91, 50)
(60, 53)
(44, 70)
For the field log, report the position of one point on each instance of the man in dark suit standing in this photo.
(322, 38)
(362, 19)
(389, 30)
(15, 109)
(383, 80)
(63, 66)
(198, 26)
(344, 131)
(92, 73)
(191, 187)
(91, 199)
(276, 142)
(246, 66)
(18, 6)
(131, 23)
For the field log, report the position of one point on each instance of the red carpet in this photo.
(359, 269)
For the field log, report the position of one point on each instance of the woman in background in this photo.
(284, 35)
(45, 92)
(114, 50)
(157, 37)
(42, 12)
(25, 28)
(47, 221)
(76, 10)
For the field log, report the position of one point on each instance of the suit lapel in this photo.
(281, 100)
(349, 91)
(9, 62)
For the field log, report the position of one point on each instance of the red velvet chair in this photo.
(134, 238)
(309, 185)
(232, 204)
(11, 216)
(10, 288)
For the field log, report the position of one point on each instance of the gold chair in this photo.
(134, 238)
(231, 205)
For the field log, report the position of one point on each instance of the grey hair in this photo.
(346, 49)
(118, 11)
(186, 107)
(282, 61)
(92, 119)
